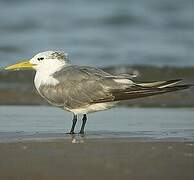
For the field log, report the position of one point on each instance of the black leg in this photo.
(83, 124)
(73, 124)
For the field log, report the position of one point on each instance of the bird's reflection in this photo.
(78, 138)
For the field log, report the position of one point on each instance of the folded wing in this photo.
(82, 86)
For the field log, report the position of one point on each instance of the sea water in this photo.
(99, 32)
(18, 122)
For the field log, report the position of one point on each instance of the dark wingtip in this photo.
(182, 87)
(189, 85)
(174, 81)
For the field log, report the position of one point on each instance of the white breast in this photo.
(44, 78)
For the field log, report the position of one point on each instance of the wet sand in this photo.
(97, 159)
(42, 122)
(122, 143)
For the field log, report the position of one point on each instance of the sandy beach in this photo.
(127, 143)
(122, 143)
(97, 159)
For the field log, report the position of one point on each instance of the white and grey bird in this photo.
(83, 89)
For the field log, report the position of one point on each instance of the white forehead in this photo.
(52, 55)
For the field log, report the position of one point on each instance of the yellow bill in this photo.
(21, 65)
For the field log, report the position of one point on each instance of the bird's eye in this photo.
(40, 59)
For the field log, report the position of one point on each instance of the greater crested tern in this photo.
(83, 89)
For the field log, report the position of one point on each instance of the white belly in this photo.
(93, 108)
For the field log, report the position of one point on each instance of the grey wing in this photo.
(79, 86)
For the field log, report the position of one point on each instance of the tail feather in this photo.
(144, 92)
(140, 90)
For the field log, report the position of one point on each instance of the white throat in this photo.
(45, 71)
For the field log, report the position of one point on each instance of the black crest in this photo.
(59, 55)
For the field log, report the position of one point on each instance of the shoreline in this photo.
(20, 123)
(123, 143)
(19, 137)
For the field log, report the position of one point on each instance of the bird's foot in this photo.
(82, 132)
(71, 132)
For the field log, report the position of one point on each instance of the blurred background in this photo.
(122, 36)
(99, 32)
(153, 39)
